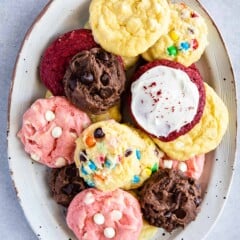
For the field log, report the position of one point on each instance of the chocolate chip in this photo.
(105, 79)
(180, 213)
(71, 172)
(197, 201)
(98, 133)
(102, 56)
(71, 188)
(191, 181)
(67, 189)
(106, 92)
(87, 78)
(73, 82)
(82, 157)
(128, 152)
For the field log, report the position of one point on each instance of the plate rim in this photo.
(9, 101)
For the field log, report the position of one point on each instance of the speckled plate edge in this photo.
(228, 74)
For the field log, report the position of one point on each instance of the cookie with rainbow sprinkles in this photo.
(186, 39)
(111, 155)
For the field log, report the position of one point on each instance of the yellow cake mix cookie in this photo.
(111, 155)
(128, 27)
(148, 231)
(186, 39)
(127, 61)
(205, 136)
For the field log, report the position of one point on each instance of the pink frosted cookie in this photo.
(49, 130)
(192, 167)
(94, 214)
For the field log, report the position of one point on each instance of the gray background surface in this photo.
(15, 19)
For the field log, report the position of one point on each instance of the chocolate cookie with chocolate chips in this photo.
(94, 80)
(65, 183)
(170, 200)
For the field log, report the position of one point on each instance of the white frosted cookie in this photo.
(203, 137)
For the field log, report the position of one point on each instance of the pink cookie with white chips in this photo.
(94, 214)
(49, 130)
(192, 167)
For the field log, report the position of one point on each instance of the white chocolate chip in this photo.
(57, 132)
(49, 115)
(99, 219)
(116, 215)
(89, 198)
(182, 166)
(35, 157)
(109, 232)
(185, 14)
(167, 164)
(60, 162)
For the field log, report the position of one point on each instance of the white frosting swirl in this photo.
(163, 100)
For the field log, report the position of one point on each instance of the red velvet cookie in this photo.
(155, 95)
(56, 57)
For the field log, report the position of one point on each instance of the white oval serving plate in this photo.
(44, 215)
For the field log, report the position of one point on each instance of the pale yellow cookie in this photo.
(186, 39)
(148, 231)
(127, 61)
(112, 113)
(205, 136)
(128, 27)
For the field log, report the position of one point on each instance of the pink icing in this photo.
(36, 132)
(80, 215)
(194, 165)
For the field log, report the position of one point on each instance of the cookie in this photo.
(127, 61)
(65, 183)
(186, 40)
(167, 99)
(94, 214)
(170, 200)
(128, 27)
(57, 55)
(49, 130)
(94, 80)
(205, 136)
(111, 155)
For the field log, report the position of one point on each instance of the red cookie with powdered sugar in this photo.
(167, 99)
(56, 57)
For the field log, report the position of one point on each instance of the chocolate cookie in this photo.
(65, 183)
(170, 200)
(94, 80)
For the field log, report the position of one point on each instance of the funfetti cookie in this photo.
(97, 215)
(186, 39)
(205, 136)
(128, 27)
(111, 155)
(49, 130)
